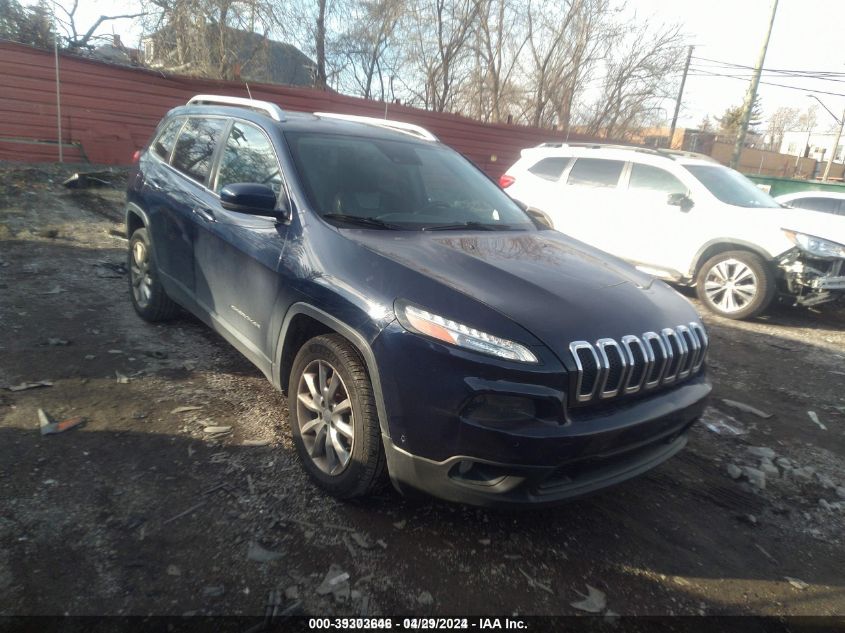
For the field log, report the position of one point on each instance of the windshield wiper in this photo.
(361, 220)
(475, 226)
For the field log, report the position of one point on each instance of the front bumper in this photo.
(573, 460)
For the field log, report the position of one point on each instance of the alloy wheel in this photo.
(325, 417)
(139, 271)
(730, 285)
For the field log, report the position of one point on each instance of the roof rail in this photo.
(270, 109)
(399, 126)
(654, 151)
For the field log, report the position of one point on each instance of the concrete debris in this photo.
(361, 540)
(213, 591)
(768, 467)
(121, 378)
(796, 582)
(721, 424)
(255, 443)
(747, 408)
(259, 554)
(824, 505)
(58, 342)
(158, 354)
(815, 418)
(217, 430)
(840, 492)
(50, 426)
(425, 598)
(762, 452)
(336, 581)
(594, 602)
(173, 570)
(783, 462)
(734, 471)
(756, 478)
(30, 385)
(185, 409)
(825, 482)
(804, 475)
(292, 593)
(536, 584)
(484, 541)
(400, 525)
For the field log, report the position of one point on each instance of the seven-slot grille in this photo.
(607, 368)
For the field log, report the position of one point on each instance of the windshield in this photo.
(731, 187)
(394, 184)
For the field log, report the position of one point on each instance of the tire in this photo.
(148, 296)
(736, 284)
(339, 447)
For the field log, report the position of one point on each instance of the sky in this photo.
(807, 36)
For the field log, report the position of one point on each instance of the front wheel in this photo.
(333, 418)
(736, 284)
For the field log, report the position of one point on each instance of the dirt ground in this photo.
(141, 511)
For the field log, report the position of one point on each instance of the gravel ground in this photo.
(141, 511)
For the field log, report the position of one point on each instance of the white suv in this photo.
(686, 219)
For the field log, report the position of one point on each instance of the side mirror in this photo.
(254, 199)
(541, 220)
(681, 200)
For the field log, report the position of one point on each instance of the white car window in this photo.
(549, 168)
(818, 203)
(649, 178)
(595, 172)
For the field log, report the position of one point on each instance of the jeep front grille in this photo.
(607, 368)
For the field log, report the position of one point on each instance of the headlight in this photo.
(423, 322)
(815, 245)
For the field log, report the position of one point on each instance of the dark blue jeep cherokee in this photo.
(423, 325)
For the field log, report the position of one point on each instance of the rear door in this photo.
(183, 190)
(236, 254)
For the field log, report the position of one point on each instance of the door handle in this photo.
(204, 213)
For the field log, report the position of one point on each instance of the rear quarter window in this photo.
(549, 168)
(163, 144)
(826, 205)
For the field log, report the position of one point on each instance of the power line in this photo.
(703, 73)
(776, 70)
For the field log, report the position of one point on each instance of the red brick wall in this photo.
(109, 111)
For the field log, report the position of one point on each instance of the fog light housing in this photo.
(497, 410)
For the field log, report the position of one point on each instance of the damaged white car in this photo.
(686, 219)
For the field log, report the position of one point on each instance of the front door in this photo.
(236, 255)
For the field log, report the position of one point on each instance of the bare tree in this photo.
(782, 120)
(498, 41)
(640, 59)
(209, 37)
(361, 56)
(74, 38)
(437, 50)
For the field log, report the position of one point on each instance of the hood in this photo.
(557, 288)
(827, 226)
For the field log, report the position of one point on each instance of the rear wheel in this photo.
(736, 284)
(148, 296)
(333, 418)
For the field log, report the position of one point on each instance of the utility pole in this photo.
(751, 95)
(835, 147)
(680, 97)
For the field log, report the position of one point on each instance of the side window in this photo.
(248, 157)
(648, 178)
(549, 168)
(826, 205)
(163, 144)
(595, 172)
(195, 147)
